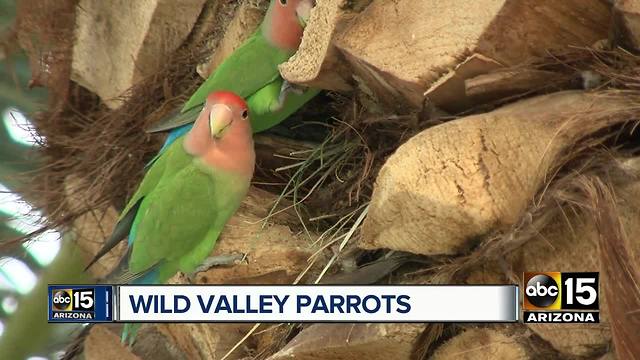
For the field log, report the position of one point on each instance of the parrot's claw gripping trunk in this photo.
(219, 260)
(286, 89)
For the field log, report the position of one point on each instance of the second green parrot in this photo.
(252, 72)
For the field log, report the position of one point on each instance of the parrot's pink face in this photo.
(285, 22)
(221, 136)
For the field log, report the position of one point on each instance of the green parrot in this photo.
(252, 72)
(188, 194)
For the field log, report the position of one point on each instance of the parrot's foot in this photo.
(289, 88)
(219, 260)
(286, 89)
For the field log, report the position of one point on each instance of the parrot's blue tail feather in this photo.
(130, 330)
(173, 136)
(149, 278)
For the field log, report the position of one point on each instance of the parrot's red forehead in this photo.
(226, 97)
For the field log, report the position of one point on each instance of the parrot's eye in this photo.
(283, 2)
(245, 113)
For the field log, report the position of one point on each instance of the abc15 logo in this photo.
(73, 299)
(561, 291)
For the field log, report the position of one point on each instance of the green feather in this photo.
(251, 71)
(174, 120)
(184, 208)
(180, 209)
(248, 69)
(260, 103)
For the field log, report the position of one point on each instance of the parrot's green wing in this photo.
(175, 120)
(170, 162)
(119, 233)
(181, 219)
(165, 164)
(248, 69)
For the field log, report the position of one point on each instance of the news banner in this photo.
(555, 297)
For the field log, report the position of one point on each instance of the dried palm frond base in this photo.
(560, 209)
(559, 233)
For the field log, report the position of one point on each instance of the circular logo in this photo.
(542, 290)
(61, 300)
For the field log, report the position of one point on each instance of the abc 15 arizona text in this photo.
(73, 303)
(561, 297)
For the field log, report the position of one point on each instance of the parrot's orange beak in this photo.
(220, 118)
